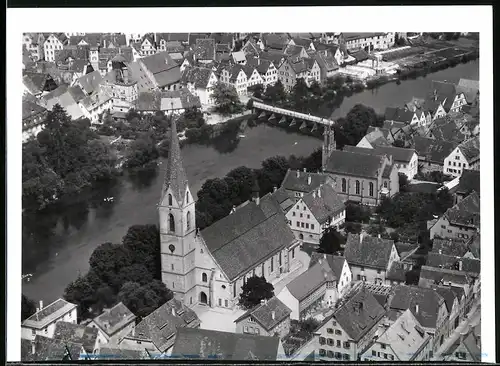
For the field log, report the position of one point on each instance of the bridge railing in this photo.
(293, 114)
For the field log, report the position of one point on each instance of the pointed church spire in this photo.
(175, 175)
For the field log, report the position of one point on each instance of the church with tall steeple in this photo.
(210, 266)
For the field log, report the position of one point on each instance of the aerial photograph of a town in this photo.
(251, 196)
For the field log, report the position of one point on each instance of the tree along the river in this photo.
(331, 241)
(254, 290)
(226, 99)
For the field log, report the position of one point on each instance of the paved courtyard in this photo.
(223, 319)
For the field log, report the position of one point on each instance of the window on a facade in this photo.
(346, 357)
(245, 329)
(329, 330)
(385, 184)
(312, 226)
(220, 302)
(272, 264)
(371, 189)
(338, 343)
(298, 224)
(358, 277)
(171, 225)
(357, 187)
(322, 340)
(293, 213)
(347, 345)
(329, 354)
(301, 215)
(344, 185)
(382, 345)
(330, 342)
(322, 352)
(204, 277)
(374, 353)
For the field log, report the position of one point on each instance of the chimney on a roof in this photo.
(440, 252)
(173, 311)
(233, 210)
(319, 192)
(298, 173)
(314, 194)
(324, 256)
(41, 304)
(305, 170)
(263, 302)
(416, 309)
(361, 237)
(308, 179)
(379, 236)
(460, 263)
(273, 314)
(274, 189)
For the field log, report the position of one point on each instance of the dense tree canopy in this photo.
(356, 212)
(135, 261)
(28, 308)
(141, 152)
(64, 158)
(354, 126)
(254, 290)
(226, 99)
(331, 241)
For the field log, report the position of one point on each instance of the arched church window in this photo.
(187, 197)
(371, 189)
(188, 220)
(171, 223)
(204, 277)
(357, 187)
(169, 199)
(344, 185)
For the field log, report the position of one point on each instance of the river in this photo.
(57, 244)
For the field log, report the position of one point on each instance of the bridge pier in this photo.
(315, 127)
(272, 117)
(262, 115)
(293, 122)
(282, 120)
(303, 125)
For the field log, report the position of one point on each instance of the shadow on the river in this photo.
(142, 178)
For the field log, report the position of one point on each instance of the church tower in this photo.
(177, 224)
(328, 144)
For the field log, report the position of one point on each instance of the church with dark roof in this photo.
(210, 266)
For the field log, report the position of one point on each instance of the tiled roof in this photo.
(114, 319)
(120, 352)
(199, 76)
(360, 55)
(434, 275)
(470, 149)
(248, 70)
(261, 65)
(178, 99)
(48, 349)
(49, 314)
(165, 70)
(433, 150)
(246, 237)
(238, 56)
(450, 246)
(428, 301)
(398, 114)
(92, 39)
(469, 342)
(115, 39)
(324, 206)
(296, 180)
(275, 57)
(90, 82)
(181, 37)
(470, 88)
(274, 41)
(359, 314)
(160, 326)
(396, 272)
(34, 81)
(328, 63)
(210, 344)
(149, 101)
(279, 201)
(377, 136)
(360, 165)
(336, 263)
(398, 154)
(468, 83)
(175, 175)
(452, 262)
(475, 245)
(95, 100)
(31, 109)
(263, 313)
(76, 333)
(352, 36)
(303, 42)
(205, 49)
(309, 281)
(447, 294)
(193, 37)
(466, 212)
(368, 251)
(75, 52)
(291, 49)
(405, 336)
(448, 131)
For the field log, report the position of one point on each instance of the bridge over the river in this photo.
(288, 117)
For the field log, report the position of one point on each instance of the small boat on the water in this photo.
(109, 199)
(296, 143)
(241, 136)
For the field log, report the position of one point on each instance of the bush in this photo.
(357, 213)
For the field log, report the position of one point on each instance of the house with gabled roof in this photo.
(204, 50)
(416, 117)
(266, 69)
(369, 258)
(37, 84)
(450, 246)
(405, 160)
(200, 81)
(43, 322)
(454, 262)
(454, 99)
(156, 332)
(470, 89)
(427, 305)
(344, 335)
(90, 82)
(341, 273)
(66, 97)
(306, 292)
(364, 178)
(454, 298)
(467, 347)
(53, 42)
(469, 181)
(294, 50)
(252, 47)
(235, 75)
(78, 333)
(275, 41)
(93, 106)
(114, 324)
(298, 183)
(460, 221)
(403, 340)
(431, 153)
(328, 65)
(269, 318)
(376, 136)
(306, 43)
(253, 76)
(464, 156)
(444, 129)
(214, 263)
(48, 349)
(204, 344)
(295, 67)
(33, 118)
(317, 210)
(158, 71)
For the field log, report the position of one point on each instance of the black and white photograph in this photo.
(307, 193)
